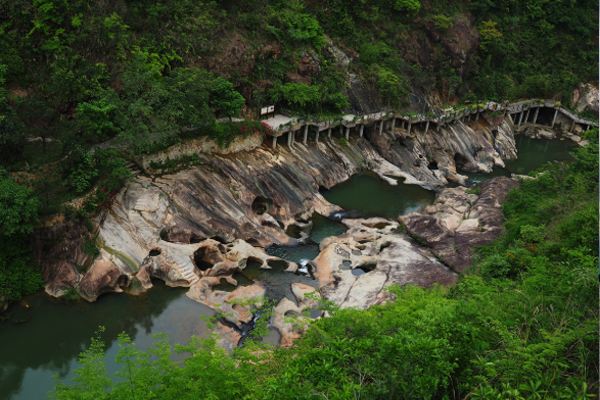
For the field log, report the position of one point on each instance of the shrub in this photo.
(442, 22)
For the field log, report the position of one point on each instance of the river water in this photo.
(46, 338)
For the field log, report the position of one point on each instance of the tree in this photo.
(38, 117)
(18, 212)
(411, 7)
(225, 98)
(18, 208)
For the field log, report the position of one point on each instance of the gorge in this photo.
(210, 219)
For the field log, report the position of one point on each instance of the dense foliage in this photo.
(18, 212)
(523, 324)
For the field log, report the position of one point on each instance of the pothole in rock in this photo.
(364, 268)
(278, 265)
(224, 286)
(207, 256)
(381, 225)
(154, 252)
(261, 204)
(195, 239)
(278, 282)
(308, 251)
(385, 246)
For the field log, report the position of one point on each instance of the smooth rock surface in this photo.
(386, 256)
(457, 221)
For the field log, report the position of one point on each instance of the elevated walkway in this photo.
(281, 124)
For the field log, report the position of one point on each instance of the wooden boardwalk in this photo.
(281, 124)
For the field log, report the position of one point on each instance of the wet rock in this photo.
(60, 277)
(229, 338)
(58, 249)
(387, 257)
(291, 319)
(457, 221)
(432, 158)
(227, 303)
(544, 134)
(103, 276)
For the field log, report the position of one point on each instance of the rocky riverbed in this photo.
(199, 227)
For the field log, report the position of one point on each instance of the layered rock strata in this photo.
(158, 226)
(434, 157)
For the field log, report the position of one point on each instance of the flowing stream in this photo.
(44, 336)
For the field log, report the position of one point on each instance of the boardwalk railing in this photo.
(293, 124)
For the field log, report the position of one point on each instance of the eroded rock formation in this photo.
(458, 221)
(354, 268)
(432, 157)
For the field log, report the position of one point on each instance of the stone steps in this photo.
(189, 275)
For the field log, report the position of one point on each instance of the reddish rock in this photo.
(104, 276)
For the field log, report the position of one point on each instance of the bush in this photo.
(442, 22)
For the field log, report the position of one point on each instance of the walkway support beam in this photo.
(427, 127)
(380, 127)
(329, 133)
(317, 138)
(274, 142)
(305, 134)
(393, 124)
(554, 118)
(535, 116)
(520, 119)
(347, 133)
(409, 126)
(572, 125)
(362, 128)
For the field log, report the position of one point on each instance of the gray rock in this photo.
(457, 222)
(387, 257)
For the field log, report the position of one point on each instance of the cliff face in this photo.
(433, 157)
(158, 225)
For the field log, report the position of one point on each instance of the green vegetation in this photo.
(521, 325)
(18, 213)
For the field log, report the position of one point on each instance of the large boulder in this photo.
(459, 221)
(103, 276)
